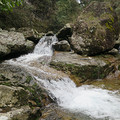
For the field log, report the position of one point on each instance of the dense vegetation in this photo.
(8, 5)
(44, 15)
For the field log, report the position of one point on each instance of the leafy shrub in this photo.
(8, 5)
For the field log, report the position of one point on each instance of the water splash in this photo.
(43, 48)
(95, 102)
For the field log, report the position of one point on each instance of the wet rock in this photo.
(12, 96)
(96, 30)
(16, 76)
(62, 46)
(84, 68)
(31, 34)
(65, 32)
(13, 44)
(53, 112)
(20, 93)
(22, 113)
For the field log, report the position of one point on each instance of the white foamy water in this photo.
(3, 118)
(96, 102)
(43, 48)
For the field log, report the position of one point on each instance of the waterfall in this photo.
(92, 101)
(43, 48)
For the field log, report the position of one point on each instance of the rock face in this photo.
(85, 68)
(96, 29)
(13, 43)
(20, 96)
(62, 46)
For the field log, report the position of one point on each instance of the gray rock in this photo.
(62, 46)
(96, 30)
(65, 32)
(54, 112)
(12, 96)
(85, 68)
(31, 34)
(19, 94)
(13, 43)
(22, 113)
(16, 76)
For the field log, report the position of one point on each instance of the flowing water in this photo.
(95, 102)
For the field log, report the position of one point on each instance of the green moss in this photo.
(22, 96)
(84, 72)
(6, 83)
(35, 95)
(28, 79)
(111, 8)
(110, 23)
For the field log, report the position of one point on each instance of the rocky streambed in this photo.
(73, 75)
(31, 88)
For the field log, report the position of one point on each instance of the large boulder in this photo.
(13, 43)
(83, 68)
(95, 30)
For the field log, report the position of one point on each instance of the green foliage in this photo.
(55, 13)
(42, 15)
(66, 11)
(8, 5)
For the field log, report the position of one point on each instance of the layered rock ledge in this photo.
(85, 68)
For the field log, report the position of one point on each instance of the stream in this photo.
(87, 99)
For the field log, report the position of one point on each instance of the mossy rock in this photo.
(84, 68)
(13, 44)
(19, 90)
(95, 30)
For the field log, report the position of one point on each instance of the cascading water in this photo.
(43, 48)
(95, 102)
